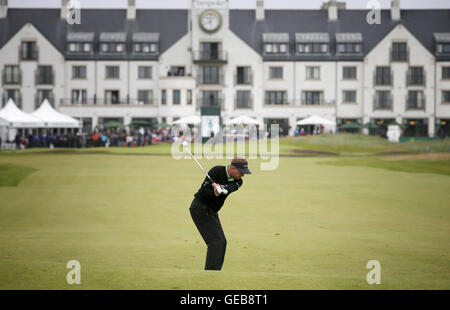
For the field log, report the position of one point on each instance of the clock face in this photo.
(210, 21)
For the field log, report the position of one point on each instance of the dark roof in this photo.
(421, 23)
(172, 26)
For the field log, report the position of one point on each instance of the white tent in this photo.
(242, 119)
(193, 119)
(315, 120)
(18, 119)
(3, 122)
(53, 118)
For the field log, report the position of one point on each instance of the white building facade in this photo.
(273, 65)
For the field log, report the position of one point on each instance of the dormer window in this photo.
(442, 42)
(80, 42)
(146, 43)
(112, 42)
(349, 43)
(312, 43)
(276, 43)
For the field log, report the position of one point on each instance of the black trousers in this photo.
(208, 224)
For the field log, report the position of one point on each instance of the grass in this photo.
(12, 175)
(340, 144)
(410, 166)
(305, 225)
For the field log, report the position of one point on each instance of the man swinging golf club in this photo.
(220, 182)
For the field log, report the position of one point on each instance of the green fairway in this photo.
(313, 223)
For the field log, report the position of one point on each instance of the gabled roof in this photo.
(421, 23)
(170, 24)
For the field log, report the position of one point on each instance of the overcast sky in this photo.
(234, 4)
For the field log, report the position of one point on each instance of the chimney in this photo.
(64, 9)
(259, 9)
(3, 8)
(131, 10)
(332, 10)
(395, 10)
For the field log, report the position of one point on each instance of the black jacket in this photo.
(206, 191)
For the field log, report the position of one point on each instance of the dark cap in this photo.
(241, 165)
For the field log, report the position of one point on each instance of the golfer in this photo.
(209, 200)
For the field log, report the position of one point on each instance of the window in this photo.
(416, 100)
(243, 99)
(189, 97)
(276, 97)
(176, 71)
(349, 96)
(399, 51)
(443, 48)
(210, 50)
(445, 73)
(382, 100)
(349, 48)
(446, 96)
(383, 76)
(145, 97)
(243, 75)
(210, 75)
(176, 96)
(13, 94)
(349, 73)
(145, 72)
(28, 50)
(312, 73)
(78, 96)
(44, 75)
(112, 47)
(78, 72)
(415, 76)
(312, 97)
(276, 48)
(112, 97)
(11, 75)
(79, 47)
(210, 98)
(163, 97)
(43, 94)
(312, 48)
(275, 72)
(112, 72)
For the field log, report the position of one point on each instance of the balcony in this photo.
(43, 78)
(415, 104)
(28, 51)
(38, 101)
(243, 104)
(131, 102)
(383, 80)
(383, 105)
(415, 80)
(17, 100)
(217, 79)
(399, 56)
(220, 57)
(243, 79)
(12, 79)
(210, 102)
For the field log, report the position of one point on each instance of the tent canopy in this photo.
(243, 120)
(315, 120)
(191, 120)
(53, 118)
(3, 122)
(18, 119)
(112, 124)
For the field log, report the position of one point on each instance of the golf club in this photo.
(220, 190)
